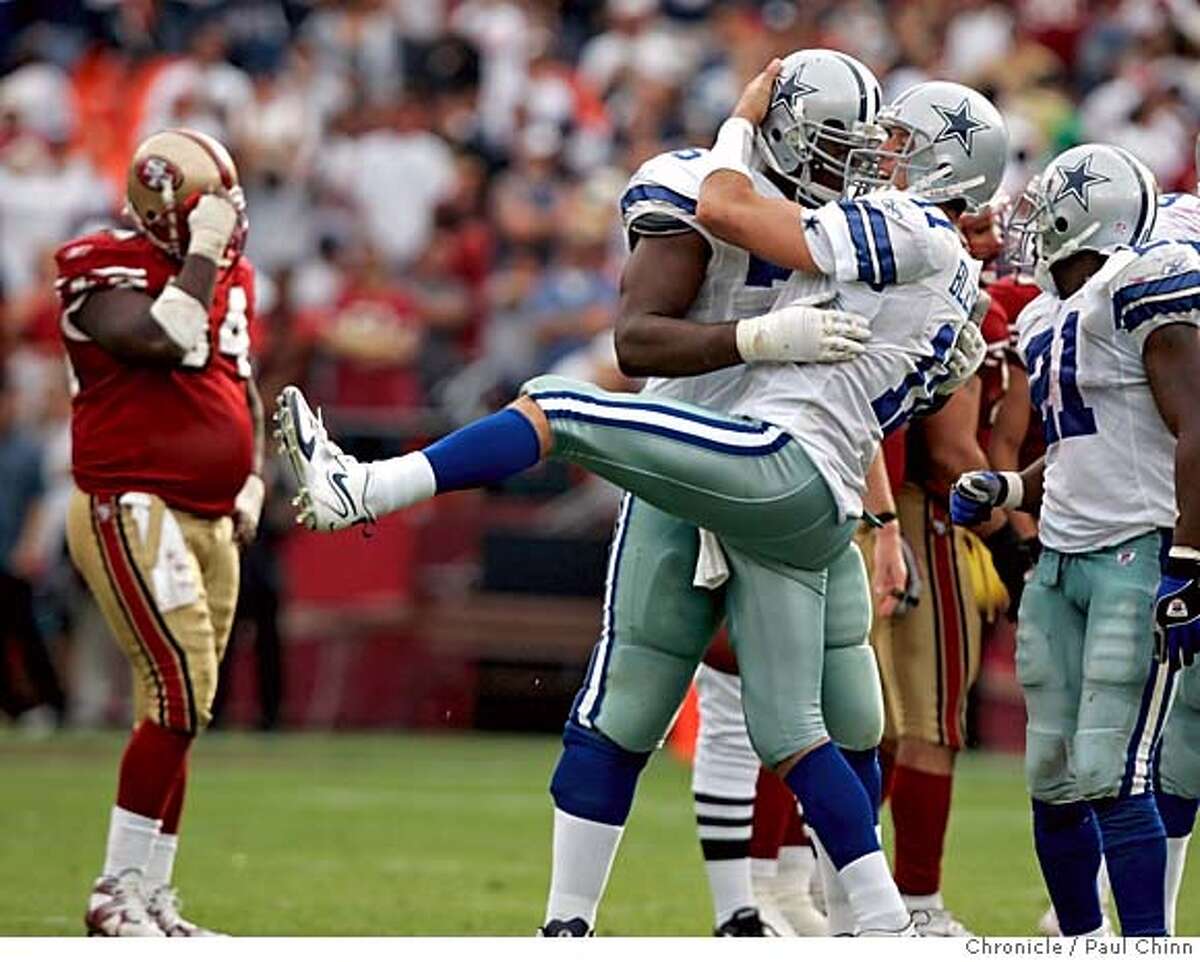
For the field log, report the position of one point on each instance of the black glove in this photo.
(1014, 557)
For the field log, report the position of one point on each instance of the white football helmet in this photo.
(954, 146)
(1091, 197)
(823, 105)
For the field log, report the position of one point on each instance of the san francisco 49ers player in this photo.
(167, 456)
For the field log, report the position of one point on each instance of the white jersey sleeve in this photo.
(1178, 218)
(1157, 287)
(882, 239)
(661, 196)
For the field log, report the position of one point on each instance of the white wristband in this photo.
(1016, 490)
(181, 316)
(734, 146)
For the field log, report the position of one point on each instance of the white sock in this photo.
(162, 861)
(399, 482)
(130, 841)
(838, 913)
(1176, 858)
(583, 857)
(873, 896)
(931, 903)
(797, 863)
(729, 883)
(764, 868)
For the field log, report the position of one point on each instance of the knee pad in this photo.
(1099, 763)
(852, 697)
(595, 778)
(1047, 771)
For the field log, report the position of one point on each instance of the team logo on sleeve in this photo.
(958, 124)
(1078, 181)
(157, 172)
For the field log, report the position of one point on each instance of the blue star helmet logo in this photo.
(1077, 181)
(958, 124)
(790, 88)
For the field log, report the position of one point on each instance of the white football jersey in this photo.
(1110, 458)
(1178, 218)
(736, 285)
(901, 264)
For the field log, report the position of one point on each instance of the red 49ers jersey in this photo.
(182, 433)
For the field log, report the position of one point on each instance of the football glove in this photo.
(1177, 609)
(802, 333)
(976, 493)
(964, 359)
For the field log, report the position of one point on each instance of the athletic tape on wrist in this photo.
(1184, 553)
(1016, 490)
(181, 316)
(734, 146)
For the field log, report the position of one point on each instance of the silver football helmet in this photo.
(1091, 197)
(823, 106)
(948, 141)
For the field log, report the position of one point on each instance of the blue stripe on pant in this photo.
(1143, 742)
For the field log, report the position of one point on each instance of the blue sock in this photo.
(835, 804)
(866, 767)
(1178, 813)
(595, 777)
(484, 452)
(1067, 840)
(1135, 848)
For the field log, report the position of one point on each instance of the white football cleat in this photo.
(330, 484)
(117, 908)
(163, 908)
(939, 923)
(789, 908)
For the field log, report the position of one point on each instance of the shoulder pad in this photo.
(108, 259)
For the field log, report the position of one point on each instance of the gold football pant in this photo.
(929, 656)
(167, 584)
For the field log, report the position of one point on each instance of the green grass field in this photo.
(424, 835)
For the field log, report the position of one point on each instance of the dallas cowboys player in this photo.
(1177, 771)
(824, 104)
(782, 499)
(1113, 356)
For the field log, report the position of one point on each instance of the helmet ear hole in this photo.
(776, 135)
(1060, 224)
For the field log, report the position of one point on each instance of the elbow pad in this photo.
(182, 317)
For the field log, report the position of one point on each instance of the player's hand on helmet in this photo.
(964, 359)
(975, 494)
(247, 510)
(211, 225)
(1177, 609)
(804, 334)
(756, 97)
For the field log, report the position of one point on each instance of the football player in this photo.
(167, 433)
(780, 499)
(1112, 353)
(1177, 772)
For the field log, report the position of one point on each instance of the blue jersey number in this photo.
(1074, 418)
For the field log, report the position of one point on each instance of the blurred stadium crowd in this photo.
(432, 188)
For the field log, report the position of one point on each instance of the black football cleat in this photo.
(575, 928)
(745, 923)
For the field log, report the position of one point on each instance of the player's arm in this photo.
(770, 227)
(953, 446)
(248, 505)
(161, 331)
(1172, 358)
(1009, 429)
(661, 279)
(890, 568)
